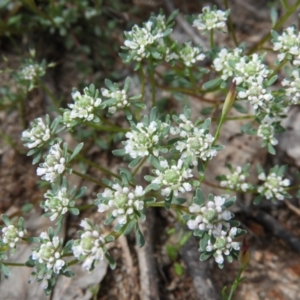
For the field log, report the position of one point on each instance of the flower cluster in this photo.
(195, 142)
(172, 178)
(148, 40)
(266, 132)
(211, 19)
(236, 179)
(11, 235)
(189, 54)
(292, 87)
(288, 44)
(223, 245)
(211, 221)
(31, 72)
(38, 135)
(274, 185)
(47, 259)
(126, 203)
(83, 108)
(54, 165)
(90, 246)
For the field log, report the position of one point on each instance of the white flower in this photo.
(256, 94)
(250, 69)
(31, 72)
(37, 135)
(225, 62)
(211, 19)
(190, 55)
(197, 145)
(292, 87)
(90, 246)
(266, 132)
(223, 245)
(287, 43)
(56, 202)
(120, 96)
(173, 177)
(48, 253)
(12, 235)
(123, 201)
(273, 187)
(54, 164)
(143, 139)
(211, 217)
(235, 180)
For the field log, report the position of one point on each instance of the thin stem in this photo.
(109, 129)
(72, 262)
(275, 71)
(284, 4)
(212, 43)
(230, 25)
(139, 166)
(192, 79)
(142, 83)
(152, 69)
(277, 26)
(235, 284)
(174, 206)
(237, 118)
(11, 264)
(86, 177)
(84, 207)
(92, 164)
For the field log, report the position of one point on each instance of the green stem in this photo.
(212, 43)
(236, 118)
(276, 27)
(284, 4)
(92, 164)
(230, 25)
(235, 284)
(174, 206)
(142, 83)
(152, 69)
(11, 264)
(275, 71)
(84, 207)
(139, 166)
(72, 262)
(86, 177)
(108, 129)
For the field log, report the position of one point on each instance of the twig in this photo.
(295, 209)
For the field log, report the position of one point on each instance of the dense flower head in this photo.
(250, 69)
(173, 177)
(256, 94)
(37, 135)
(83, 107)
(120, 96)
(288, 44)
(211, 19)
(236, 180)
(196, 142)
(266, 132)
(292, 87)
(190, 55)
(210, 217)
(144, 139)
(49, 253)
(225, 62)
(56, 202)
(11, 235)
(124, 202)
(223, 245)
(273, 186)
(54, 165)
(90, 246)
(31, 71)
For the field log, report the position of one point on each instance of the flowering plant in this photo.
(176, 147)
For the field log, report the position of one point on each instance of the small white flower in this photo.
(211, 19)
(37, 135)
(235, 180)
(11, 235)
(54, 164)
(292, 87)
(123, 201)
(266, 132)
(120, 96)
(190, 55)
(273, 187)
(173, 177)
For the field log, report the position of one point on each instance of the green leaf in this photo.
(68, 273)
(129, 227)
(109, 238)
(5, 219)
(230, 202)
(135, 162)
(76, 150)
(272, 80)
(109, 84)
(172, 252)
(26, 208)
(207, 110)
(127, 84)
(212, 83)
(198, 199)
(111, 261)
(271, 149)
(5, 270)
(74, 211)
(205, 255)
(257, 199)
(178, 201)
(241, 109)
(273, 15)
(204, 241)
(178, 269)
(119, 152)
(140, 240)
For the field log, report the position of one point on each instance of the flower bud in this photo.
(229, 99)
